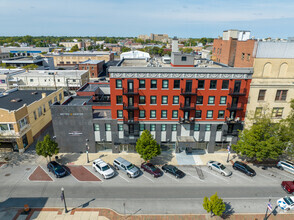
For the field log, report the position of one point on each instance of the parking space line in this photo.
(222, 178)
(244, 177)
(148, 178)
(195, 177)
(123, 178)
(166, 174)
(95, 173)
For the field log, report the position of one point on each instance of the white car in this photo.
(216, 166)
(286, 203)
(103, 168)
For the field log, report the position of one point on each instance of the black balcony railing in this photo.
(188, 92)
(236, 120)
(131, 120)
(240, 92)
(235, 107)
(130, 107)
(186, 120)
(184, 107)
(232, 133)
(130, 92)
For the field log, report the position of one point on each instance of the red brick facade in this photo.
(94, 69)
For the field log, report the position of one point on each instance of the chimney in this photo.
(44, 95)
(175, 46)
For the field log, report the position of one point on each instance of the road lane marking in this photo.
(195, 177)
(148, 178)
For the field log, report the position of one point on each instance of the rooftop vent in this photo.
(34, 93)
(16, 100)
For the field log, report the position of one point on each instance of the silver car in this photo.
(214, 165)
(286, 165)
(124, 165)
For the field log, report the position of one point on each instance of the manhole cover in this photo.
(7, 174)
(28, 168)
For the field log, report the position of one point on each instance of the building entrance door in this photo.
(123, 148)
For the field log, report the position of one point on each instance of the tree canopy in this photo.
(147, 147)
(214, 205)
(47, 147)
(74, 48)
(31, 67)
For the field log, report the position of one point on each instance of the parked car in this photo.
(103, 168)
(286, 203)
(244, 168)
(173, 170)
(150, 168)
(214, 165)
(124, 165)
(288, 186)
(56, 169)
(286, 165)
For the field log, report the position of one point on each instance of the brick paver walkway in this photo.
(82, 174)
(40, 175)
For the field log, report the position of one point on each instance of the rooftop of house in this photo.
(14, 99)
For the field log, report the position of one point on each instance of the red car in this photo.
(288, 186)
(150, 168)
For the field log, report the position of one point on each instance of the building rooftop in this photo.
(95, 62)
(10, 71)
(101, 113)
(14, 99)
(89, 87)
(275, 50)
(23, 60)
(77, 100)
(68, 73)
(82, 53)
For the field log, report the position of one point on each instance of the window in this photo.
(55, 99)
(258, 111)
(153, 84)
(152, 100)
(107, 127)
(72, 80)
(119, 99)
(174, 127)
(165, 84)
(242, 56)
(199, 100)
(163, 127)
(23, 122)
(142, 84)
(281, 95)
(277, 112)
(118, 83)
(223, 100)
(197, 127)
(35, 115)
(177, 84)
(31, 80)
(3, 127)
(207, 127)
(176, 100)
(164, 100)
(141, 127)
(44, 108)
(209, 113)
(163, 113)
(261, 95)
(211, 99)
(248, 57)
(119, 113)
(221, 114)
(219, 127)
(213, 84)
(96, 127)
(39, 111)
(142, 100)
(175, 114)
(201, 84)
(60, 96)
(120, 127)
(225, 84)
(198, 114)
(11, 128)
(58, 80)
(184, 58)
(142, 114)
(152, 127)
(50, 102)
(152, 113)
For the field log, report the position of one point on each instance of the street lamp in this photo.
(63, 198)
(229, 148)
(87, 150)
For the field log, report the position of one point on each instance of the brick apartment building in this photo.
(206, 105)
(95, 67)
(234, 49)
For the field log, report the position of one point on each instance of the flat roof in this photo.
(77, 100)
(89, 87)
(92, 62)
(275, 50)
(23, 60)
(57, 73)
(10, 71)
(21, 98)
(101, 113)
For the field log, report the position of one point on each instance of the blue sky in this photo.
(182, 18)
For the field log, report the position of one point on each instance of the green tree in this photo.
(147, 146)
(31, 67)
(47, 147)
(262, 141)
(125, 49)
(74, 48)
(215, 205)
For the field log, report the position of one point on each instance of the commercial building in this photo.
(95, 67)
(44, 63)
(69, 80)
(234, 49)
(272, 86)
(5, 75)
(24, 114)
(159, 37)
(69, 45)
(25, 51)
(3, 56)
(74, 58)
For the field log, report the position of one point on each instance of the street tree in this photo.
(147, 147)
(214, 205)
(47, 147)
(74, 48)
(31, 67)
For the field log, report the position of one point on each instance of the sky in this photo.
(130, 18)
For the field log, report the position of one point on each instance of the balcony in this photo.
(230, 133)
(241, 92)
(236, 120)
(186, 121)
(235, 107)
(130, 92)
(184, 107)
(186, 92)
(131, 121)
(130, 107)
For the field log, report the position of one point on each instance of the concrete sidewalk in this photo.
(104, 214)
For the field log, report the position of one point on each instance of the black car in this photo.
(173, 170)
(56, 169)
(244, 168)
